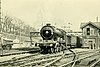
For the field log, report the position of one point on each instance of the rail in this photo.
(74, 61)
(93, 65)
(64, 55)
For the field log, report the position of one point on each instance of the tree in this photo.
(6, 23)
(15, 26)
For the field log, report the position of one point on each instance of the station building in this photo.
(91, 34)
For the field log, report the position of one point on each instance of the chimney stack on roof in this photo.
(96, 19)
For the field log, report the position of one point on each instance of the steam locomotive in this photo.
(55, 39)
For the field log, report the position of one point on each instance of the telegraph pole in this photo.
(0, 11)
(1, 35)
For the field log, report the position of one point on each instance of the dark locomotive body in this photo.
(49, 32)
(55, 39)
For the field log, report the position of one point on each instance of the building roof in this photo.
(95, 24)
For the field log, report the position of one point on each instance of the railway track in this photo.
(87, 61)
(96, 64)
(16, 58)
(29, 60)
(47, 60)
(67, 60)
(84, 60)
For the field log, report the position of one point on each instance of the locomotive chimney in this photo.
(48, 24)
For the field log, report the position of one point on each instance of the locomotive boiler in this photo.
(53, 39)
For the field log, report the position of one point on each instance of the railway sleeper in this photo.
(87, 62)
(36, 63)
(98, 64)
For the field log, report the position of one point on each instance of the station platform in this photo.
(15, 51)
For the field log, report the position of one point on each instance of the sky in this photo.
(57, 12)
